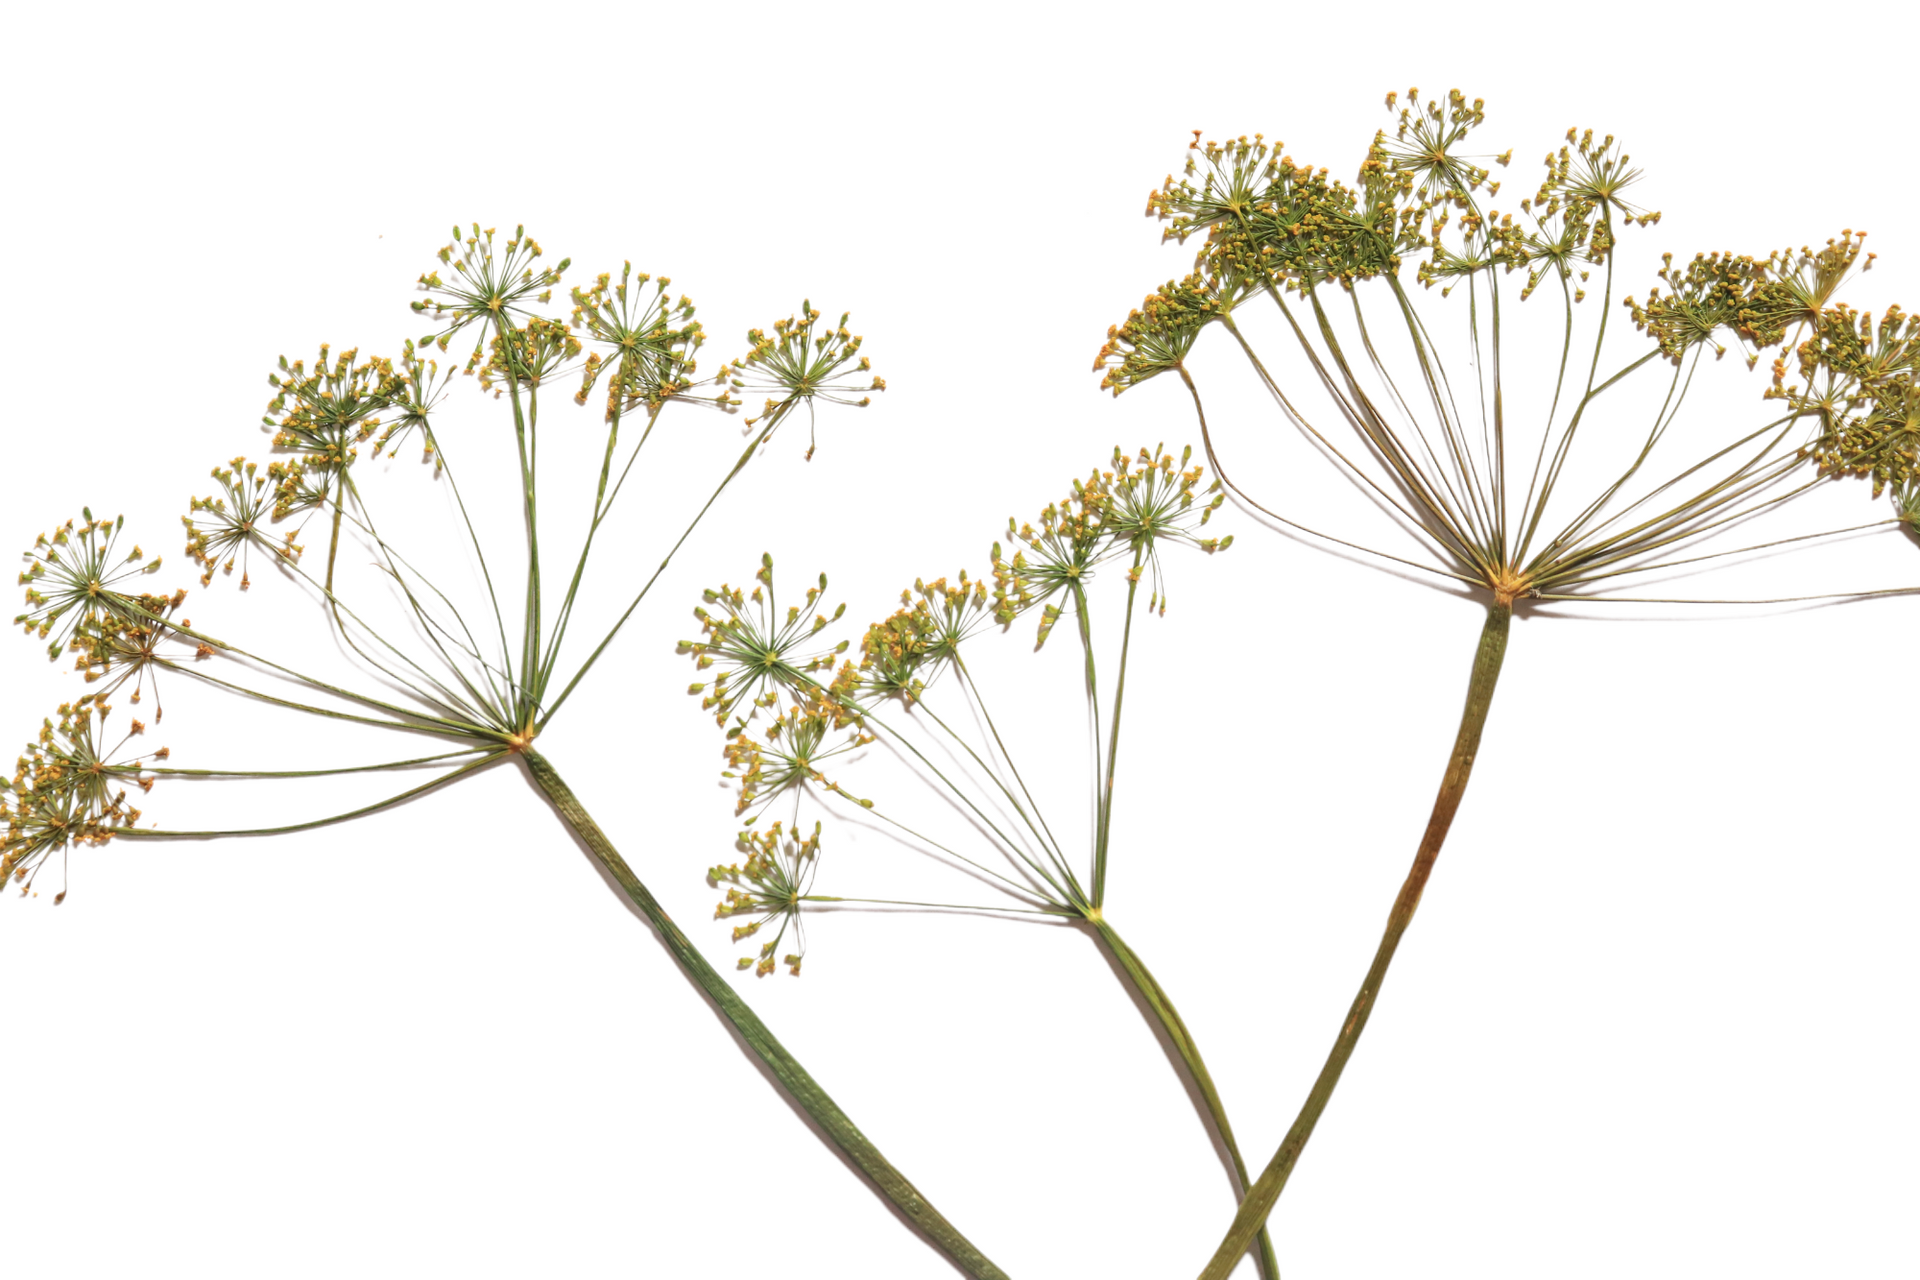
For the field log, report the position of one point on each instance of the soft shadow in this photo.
(1179, 1065)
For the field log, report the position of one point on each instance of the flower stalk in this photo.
(1266, 1190)
(794, 1079)
(1156, 999)
(70, 788)
(754, 657)
(1442, 456)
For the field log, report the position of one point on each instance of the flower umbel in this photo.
(770, 885)
(900, 655)
(1059, 556)
(67, 790)
(650, 341)
(1150, 501)
(74, 580)
(488, 284)
(758, 652)
(795, 747)
(323, 416)
(801, 363)
(227, 528)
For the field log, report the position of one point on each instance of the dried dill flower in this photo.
(76, 580)
(1479, 496)
(222, 531)
(651, 341)
(910, 691)
(69, 788)
(803, 362)
(757, 651)
(477, 674)
(486, 289)
(769, 886)
(790, 753)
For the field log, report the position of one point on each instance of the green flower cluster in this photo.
(68, 789)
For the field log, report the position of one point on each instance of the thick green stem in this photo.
(1260, 1201)
(1183, 1043)
(793, 1078)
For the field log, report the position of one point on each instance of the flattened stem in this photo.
(793, 1078)
(1176, 1028)
(1260, 1200)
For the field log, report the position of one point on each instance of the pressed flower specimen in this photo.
(798, 712)
(467, 688)
(325, 495)
(1560, 489)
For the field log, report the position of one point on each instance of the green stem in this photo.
(429, 626)
(150, 833)
(793, 1078)
(586, 545)
(480, 555)
(1156, 998)
(1052, 851)
(458, 728)
(772, 421)
(1013, 885)
(980, 702)
(135, 771)
(939, 906)
(1104, 825)
(1260, 1201)
(308, 708)
(333, 541)
(524, 436)
(1085, 619)
(529, 674)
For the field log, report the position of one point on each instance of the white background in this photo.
(1655, 1017)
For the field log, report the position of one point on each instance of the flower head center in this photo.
(1510, 584)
